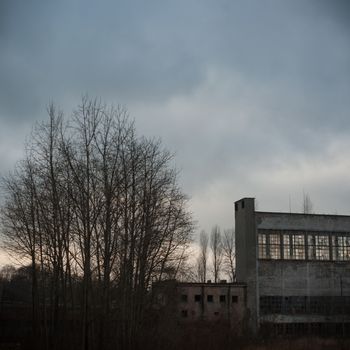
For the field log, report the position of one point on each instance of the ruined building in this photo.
(209, 302)
(296, 268)
(293, 277)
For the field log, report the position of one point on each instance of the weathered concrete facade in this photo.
(296, 267)
(190, 302)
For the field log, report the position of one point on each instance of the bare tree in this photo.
(229, 254)
(20, 224)
(307, 204)
(217, 251)
(93, 202)
(202, 259)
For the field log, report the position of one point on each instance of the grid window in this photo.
(234, 299)
(222, 298)
(210, 298)
(322, 247)
(294, 247)
(286, 247)
(262, 242)
(275, 246)
(311, 247)
(298, 247)
(184, 313)
(341, 247)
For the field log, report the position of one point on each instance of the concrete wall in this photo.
(169, 299)
(308, 279)
(215, 310)
(305, 222)
(301, 277)
(313, 280)
(246, 255)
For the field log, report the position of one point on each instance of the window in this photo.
(222, 298)
(197, 298)
(262, 242)
(270, 304)
(275, 246)
(312, 247)
(319, 247)
(184, 298)
(286, 247)
(341, 247)
(302, 305)
(294, 246)
(210, 298)
(216, 313)
(322, 247)
(234, 299)
(184, 313)
(298, 247)
(269, 246)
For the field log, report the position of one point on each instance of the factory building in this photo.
(296, 268)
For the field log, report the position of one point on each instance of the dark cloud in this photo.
(241, 90)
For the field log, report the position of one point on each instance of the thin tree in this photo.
(229, 253)
(307, 204)
(202, 260)
(217, 252)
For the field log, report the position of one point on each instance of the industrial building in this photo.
(296, 268)
(208, 302)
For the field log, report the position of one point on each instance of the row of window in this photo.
(301, 246)
(184, 313)
(210, 298)
(319, 305)
(296, 329)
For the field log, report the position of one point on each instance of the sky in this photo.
(252, 96)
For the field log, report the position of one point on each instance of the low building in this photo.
(296, 268)
(208, 302)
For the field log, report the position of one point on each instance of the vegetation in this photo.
(97, 213)
(219, 252)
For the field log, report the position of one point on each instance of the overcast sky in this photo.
(253, 96)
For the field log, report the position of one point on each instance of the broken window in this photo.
(294, 305)
(318, 247)
(302, 305)
(270, 304)
(222, 298)
(197, 298)
(311, 247)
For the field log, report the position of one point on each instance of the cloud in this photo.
(253, 97)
